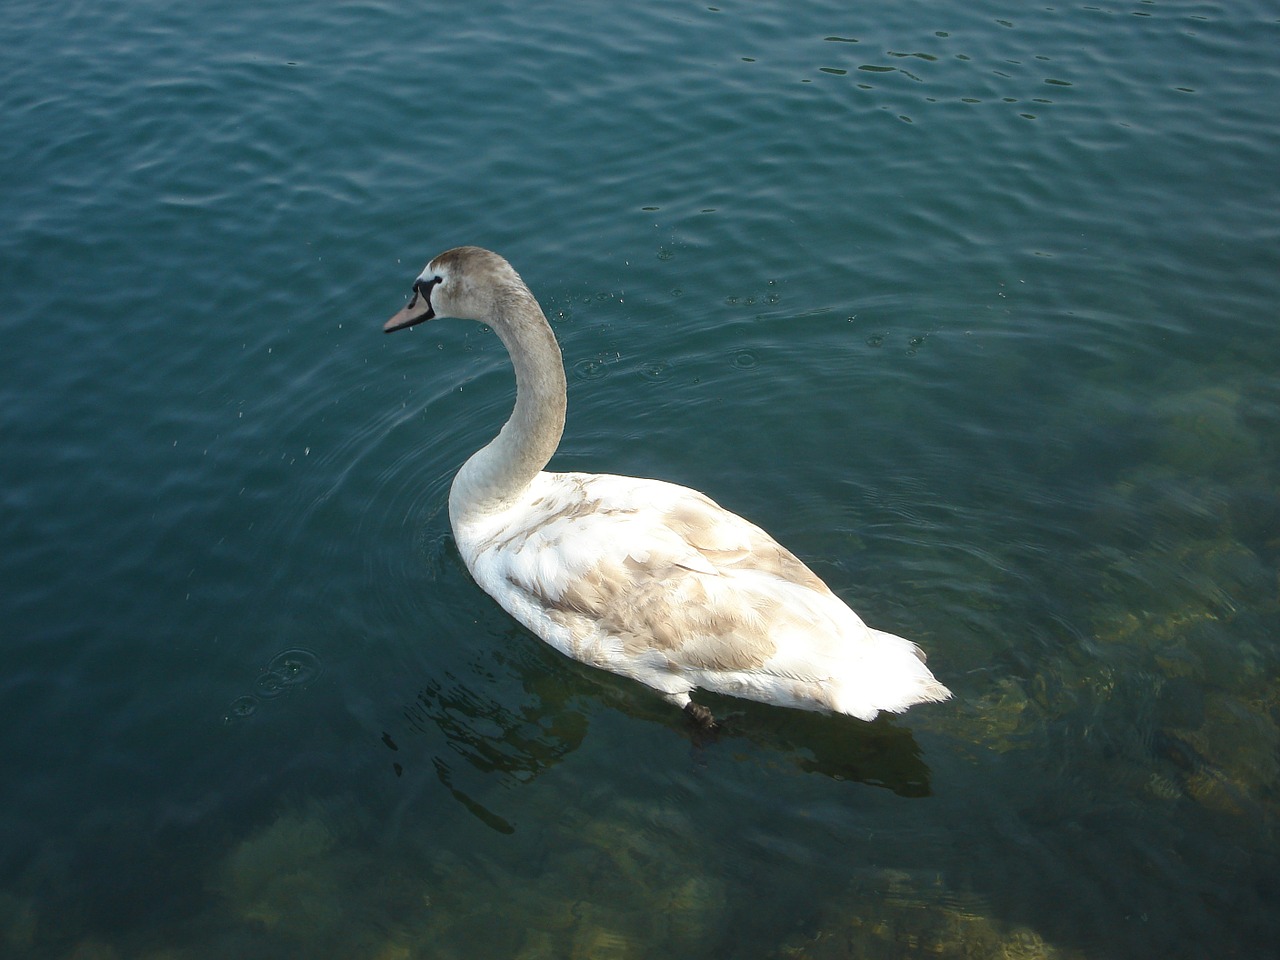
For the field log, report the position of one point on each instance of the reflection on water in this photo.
(492, 739)
(518, 745)
(879, 754)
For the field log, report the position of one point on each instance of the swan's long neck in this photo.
(499, 472)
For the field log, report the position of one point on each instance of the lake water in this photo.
(973, 306)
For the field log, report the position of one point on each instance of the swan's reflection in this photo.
(520, 741)
(881, 753)
(515, 742)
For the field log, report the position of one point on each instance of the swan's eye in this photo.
(422, 288)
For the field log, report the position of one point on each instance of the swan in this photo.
(644, 578)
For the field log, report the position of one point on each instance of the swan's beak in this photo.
(415, 311)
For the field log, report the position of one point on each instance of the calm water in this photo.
(973, 306)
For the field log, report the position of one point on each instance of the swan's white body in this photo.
(644, 578)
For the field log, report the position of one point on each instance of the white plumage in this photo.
(645, 578)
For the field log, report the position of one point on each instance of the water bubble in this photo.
(591, 368)
(744, 359)
(241, 708)
(875, 340)
(295, 667)
(269, 685)
(656, 371)
(664, 253)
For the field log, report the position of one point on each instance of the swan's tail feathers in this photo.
(891, 675)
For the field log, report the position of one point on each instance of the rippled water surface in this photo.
(972, 305)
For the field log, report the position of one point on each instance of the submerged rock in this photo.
(1202, 432)
(283, 877)
(899, 914)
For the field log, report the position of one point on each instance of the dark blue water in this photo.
(974, 309)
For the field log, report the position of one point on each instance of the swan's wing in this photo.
(641, 575)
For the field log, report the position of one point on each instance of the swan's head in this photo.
(464, 282)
